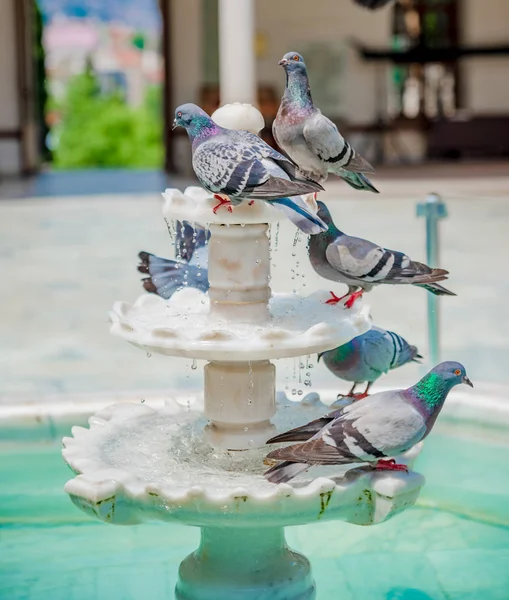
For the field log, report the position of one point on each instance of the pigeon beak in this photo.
(282, 62)
(467, 381)
(175, 124)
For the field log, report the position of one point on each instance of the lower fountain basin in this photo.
(136, 464)
(452, 544)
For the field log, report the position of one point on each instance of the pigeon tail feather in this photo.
(284, 471)
(168, 276)
(358, 181)
(302, 434)
(436, 289)
(298, 213)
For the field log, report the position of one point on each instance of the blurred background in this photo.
(87, 90)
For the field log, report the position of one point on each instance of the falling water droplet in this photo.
(300, 392)
(276, 240)
(169, 228)
(294, 392)
(250, 384)
(149, 354)
(142, 400)
(194, 365)
(307, 382)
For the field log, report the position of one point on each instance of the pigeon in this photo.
(372, 4)
(362, 264)
(236, 164)
(374, 429)
(310, 138)
(166, 276)
(368, 356)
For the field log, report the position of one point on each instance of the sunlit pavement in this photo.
(65, 260)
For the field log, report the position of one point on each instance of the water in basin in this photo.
(454, 544)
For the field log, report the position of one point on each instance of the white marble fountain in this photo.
(199, 460)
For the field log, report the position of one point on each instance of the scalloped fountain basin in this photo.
(136, 463)
(183, 326)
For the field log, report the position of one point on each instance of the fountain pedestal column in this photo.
(244, 563)
(239, 396)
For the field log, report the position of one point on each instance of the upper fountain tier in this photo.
(239, 319)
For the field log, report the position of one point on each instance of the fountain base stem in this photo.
(247, 563)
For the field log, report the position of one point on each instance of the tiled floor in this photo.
(64, 261)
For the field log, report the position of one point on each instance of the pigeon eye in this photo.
(457, 372)
(296, 57)
(179, 114)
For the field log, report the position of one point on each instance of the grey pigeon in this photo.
(309, 137)
(374, 429)
(166, 276)
(235, 165)
(368, 356)
(361, 264)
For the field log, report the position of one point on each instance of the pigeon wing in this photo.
(378, 350)
(366, 262)
(323, 138)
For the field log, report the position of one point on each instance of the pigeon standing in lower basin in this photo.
(368, 356)
(361, 264)
(374, 429)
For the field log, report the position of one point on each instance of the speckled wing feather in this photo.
(363, 261)
(323, 138)
(239, 169)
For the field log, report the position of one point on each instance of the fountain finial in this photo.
(239, 116)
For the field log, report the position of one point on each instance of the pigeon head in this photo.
(452, 372)
(195, 121)
(432, 390)
(293, 62)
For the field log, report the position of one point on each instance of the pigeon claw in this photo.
(390, 465)
(250, 203)
(335, 299)
(222, 201)
(353, 297)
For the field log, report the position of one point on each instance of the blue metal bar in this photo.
(433, 209)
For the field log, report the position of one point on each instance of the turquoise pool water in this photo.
(453, 545)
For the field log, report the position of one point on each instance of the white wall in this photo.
(486, 80)
(288, 25)
(9, 113)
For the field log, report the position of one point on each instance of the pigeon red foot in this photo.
(390, 465)
(222, 201)
(353, 297)
(335, 299)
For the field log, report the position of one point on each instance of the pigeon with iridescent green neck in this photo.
(310, 138)
(236, 165)
(361, 264)
(372, 430)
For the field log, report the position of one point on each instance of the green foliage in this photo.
(102, 131)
